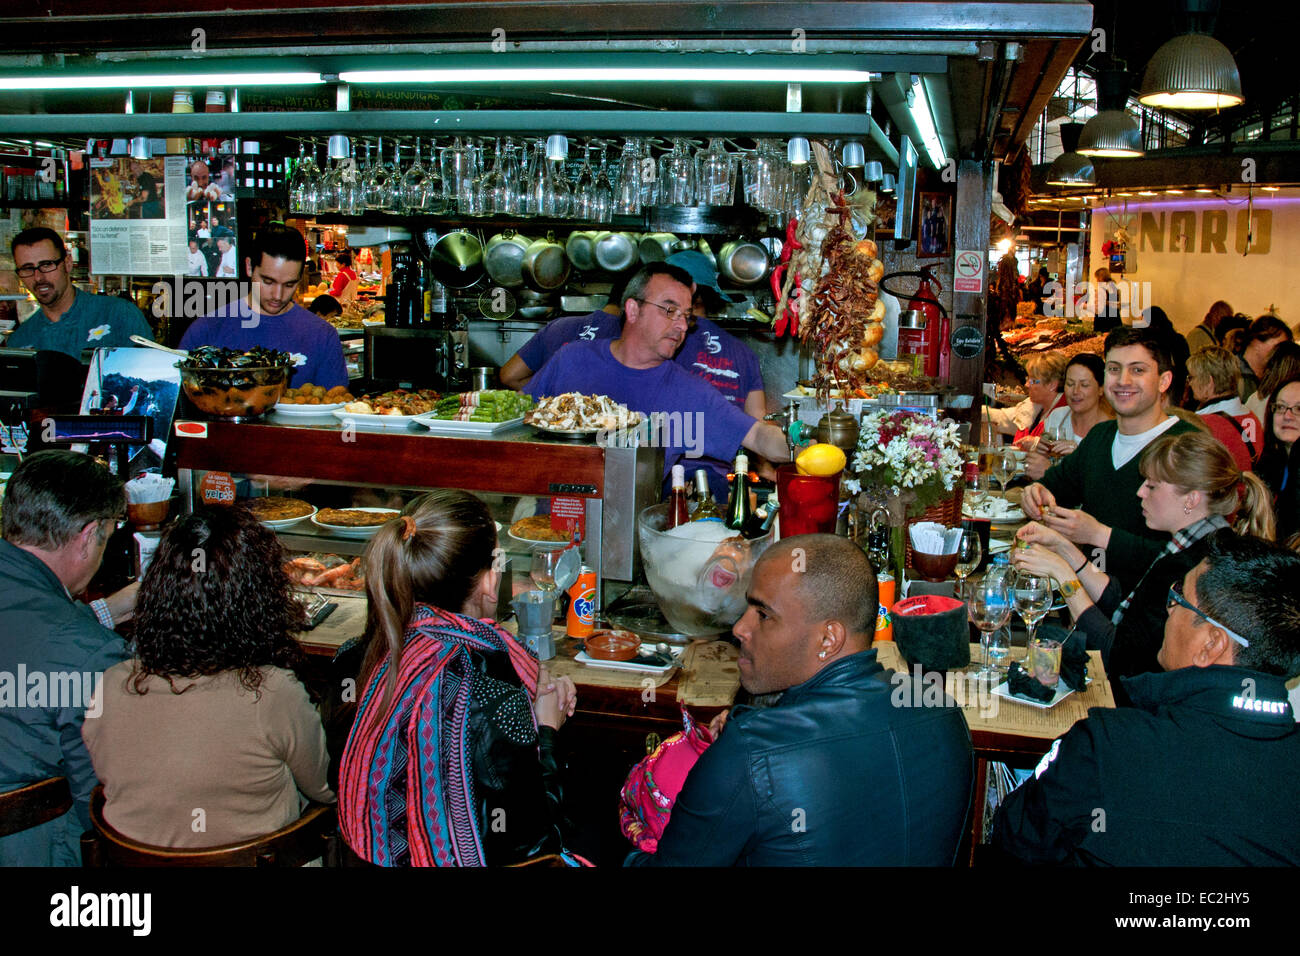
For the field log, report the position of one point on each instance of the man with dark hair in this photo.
(836, 773)
(68, 320)
(1204, 769)
(268, 317)
(1090, 496)
(637, 369)
(1255, 348)
(59, 510)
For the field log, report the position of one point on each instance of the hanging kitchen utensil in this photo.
(656, 247)
(457, 259)
(580, 247)
(545, 267)
(616, 251)
(743, 263)
(503, 258)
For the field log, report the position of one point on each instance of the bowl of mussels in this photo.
(234, 385)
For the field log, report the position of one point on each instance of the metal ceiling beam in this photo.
(440, 122)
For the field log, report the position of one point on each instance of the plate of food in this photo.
(574, 415)
(278, 512)
(447, 426)
(997, 510)
(400, 404)
(1063, 690)
(536, 531)
(394, 420)
(353, 522)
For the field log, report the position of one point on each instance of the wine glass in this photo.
(627, 198)
(302, 183)
(543, 569)
(714, 175)
(414, 184)
(977, 488)
(584, 190)
(1033, 600)
(969, 554)
(1003, 466)
(603, 190)
(512, 196)
(375, 186)
(989, 609)
(495, 199)
(677, 176)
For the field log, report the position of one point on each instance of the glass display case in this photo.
(323, 463)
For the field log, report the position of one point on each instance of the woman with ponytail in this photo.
(451, 758)
(1193, 488)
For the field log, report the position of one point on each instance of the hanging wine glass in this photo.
(494, 186)
(455, 163)
(627, 196)
(470, 196)
(351, 198)
(714, 168)
(677, 176)
(584, 194)
(604, 190)
(394, 199)
(303, 173)
(415, 185)
(512, 188)
(557, 196)
(533, 181)
(312, 190)
(376, 183)
(331, 183)
(650, 194)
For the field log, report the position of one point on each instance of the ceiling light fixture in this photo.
(126, 81)
(1111, 133)
(1071, 168)
(1193, 71)
(607, 75)
(918, 104)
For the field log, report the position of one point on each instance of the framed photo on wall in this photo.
(935, 226)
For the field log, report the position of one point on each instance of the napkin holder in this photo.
(932, 633)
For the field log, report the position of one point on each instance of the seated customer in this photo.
(1214, 380)
(208, 737)
(1202, 771)
(1277, 465)
(1283, 366)
(1085, 406)
(60, 509)
(438, 671)
(1191, 491)
(1043, 386)
(834, 774)
(1090, 496)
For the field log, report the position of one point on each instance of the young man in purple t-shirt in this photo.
(268, 316)
(637, 369)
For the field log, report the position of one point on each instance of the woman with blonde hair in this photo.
(1214, 381)
(456, 728)
(1026, 420)
(1192, 489)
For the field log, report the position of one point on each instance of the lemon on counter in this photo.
(821, 460)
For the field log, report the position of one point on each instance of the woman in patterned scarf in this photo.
(451, 758)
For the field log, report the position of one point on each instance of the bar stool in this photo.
(34, 804)
(313, 835)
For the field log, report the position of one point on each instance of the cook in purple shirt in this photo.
(268, 316)
(637, 370)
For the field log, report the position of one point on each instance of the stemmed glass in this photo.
(533, 181)
(556, 196)
(677, 176)
(395, 197)
(302, 184)
(584, 191)
(627, 200)
(331, 188)
(512, 199)
(375, 185)
(495, 200)
(1003, 468)
(1033, 600)
(989, 608)
(543, 568)
(714, 175)
(604, 191)
(415, 185)
(969, 554)
(977, 488)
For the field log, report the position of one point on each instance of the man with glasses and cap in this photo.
(1204, 769)
(68, 319)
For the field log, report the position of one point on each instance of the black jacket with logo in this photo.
(837, 773)
(1203, 770)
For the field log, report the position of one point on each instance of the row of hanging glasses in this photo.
(504, 177)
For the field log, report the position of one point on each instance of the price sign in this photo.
(968, 271)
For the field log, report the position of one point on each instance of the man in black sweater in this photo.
(1204, 769)
(1091, 495)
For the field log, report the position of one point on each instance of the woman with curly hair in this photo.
(207, 737)
(451, 760)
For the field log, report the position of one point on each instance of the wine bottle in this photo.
(678, 512)
(738, 507)
(706, 509)
(760, 522)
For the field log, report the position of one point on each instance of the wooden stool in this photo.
(313, 835)
(34, 804)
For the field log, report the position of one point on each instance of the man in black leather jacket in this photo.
(1204, 769)
(835, 773)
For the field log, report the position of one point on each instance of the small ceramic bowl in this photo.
(934, 567)
(613, 645)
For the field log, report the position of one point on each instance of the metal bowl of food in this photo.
(235, 386)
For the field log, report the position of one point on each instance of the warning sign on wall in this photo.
(968, 271)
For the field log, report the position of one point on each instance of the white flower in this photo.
(98, 332)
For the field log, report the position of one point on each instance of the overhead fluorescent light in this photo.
(122, 81)
(1205, 190)
(919, 107)
(675, 74)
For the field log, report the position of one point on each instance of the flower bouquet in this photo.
(904, 463)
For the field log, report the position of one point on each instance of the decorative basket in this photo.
(946, 512)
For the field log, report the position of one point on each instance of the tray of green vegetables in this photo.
(476, 413)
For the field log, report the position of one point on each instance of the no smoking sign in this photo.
(968, 270)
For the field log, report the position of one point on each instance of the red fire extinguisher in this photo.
(937, 352)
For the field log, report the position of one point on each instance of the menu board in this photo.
(137, 216)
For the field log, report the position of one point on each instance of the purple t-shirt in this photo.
(700, 421)
(558, 333)
(313, 342)
(722, 360)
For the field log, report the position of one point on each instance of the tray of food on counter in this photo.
(326, 572)
(574, 415)
(353, 522)
(393, 409)
(278, 512)
(476, 413)
(308, 399)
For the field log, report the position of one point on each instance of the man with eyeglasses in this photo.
(1204, 769)
(638, 370)
(68, 320)
(60, 508)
